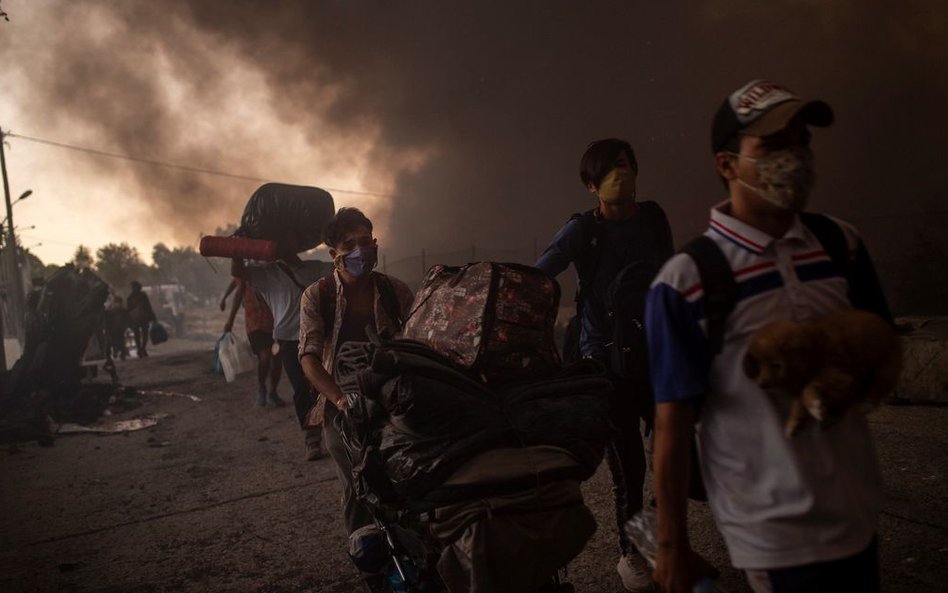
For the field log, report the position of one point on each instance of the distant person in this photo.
(140, 316)
(116, 321)
(801, 513)
(258, 323)
(36, 291)
(616, 248)
(281, 285)
(33, 297)
(335, 310)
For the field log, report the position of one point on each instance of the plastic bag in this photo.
(157, 333)
(642, 529)
(235, 355)
(216, 361)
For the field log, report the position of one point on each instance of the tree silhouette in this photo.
(185, 266)
(82, 259)
(119, 264)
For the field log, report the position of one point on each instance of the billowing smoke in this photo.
(474, 115)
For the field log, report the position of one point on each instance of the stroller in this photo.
(472, 489)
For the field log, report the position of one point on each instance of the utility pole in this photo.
(14, 279)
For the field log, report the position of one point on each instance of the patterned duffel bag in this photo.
(495, 319)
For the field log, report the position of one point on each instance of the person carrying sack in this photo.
(281, 284)
(140, 315)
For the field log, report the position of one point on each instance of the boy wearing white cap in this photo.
(797, 514)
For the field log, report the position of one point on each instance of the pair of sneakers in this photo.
(635, 573)
(273, 398)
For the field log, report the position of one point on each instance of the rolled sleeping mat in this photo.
(240, 247)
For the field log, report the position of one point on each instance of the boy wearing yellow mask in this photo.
(616, 248)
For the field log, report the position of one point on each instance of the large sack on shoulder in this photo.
(491, 318)
(280, 212)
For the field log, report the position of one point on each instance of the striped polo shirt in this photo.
(778, 501)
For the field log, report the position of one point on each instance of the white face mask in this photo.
(786, 177)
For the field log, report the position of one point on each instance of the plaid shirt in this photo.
(315, 339)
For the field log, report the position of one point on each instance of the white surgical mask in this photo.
(785, 177)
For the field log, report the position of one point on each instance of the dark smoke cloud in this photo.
(510, 93)
(503, 97)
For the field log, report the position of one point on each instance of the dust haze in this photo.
(471, 117)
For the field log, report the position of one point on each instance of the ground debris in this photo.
(112, 427)
(193, 398)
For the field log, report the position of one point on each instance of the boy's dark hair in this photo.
(600, 158)
(345, 220)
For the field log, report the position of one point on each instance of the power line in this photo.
(32, 237)
(116, 155)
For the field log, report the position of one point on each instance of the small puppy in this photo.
(827, 366)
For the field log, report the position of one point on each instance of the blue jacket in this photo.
(644, 237)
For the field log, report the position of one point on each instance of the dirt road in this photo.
(217, 497)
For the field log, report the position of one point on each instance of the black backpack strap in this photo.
(720, 288)
(864, 291)
(587, 262)
(389, 300)
(831, 237)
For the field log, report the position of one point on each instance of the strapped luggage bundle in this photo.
(433, 449)
(471, 410)
(418, 417)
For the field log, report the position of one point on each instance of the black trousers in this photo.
(141, 339)
(627, 455)
(859, 572)
(303, 399)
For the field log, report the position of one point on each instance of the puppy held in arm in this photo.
(850, 358)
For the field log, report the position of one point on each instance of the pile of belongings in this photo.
(424, 416)
(46, 380)
(495, 446)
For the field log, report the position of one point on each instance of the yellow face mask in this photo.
(618, 187)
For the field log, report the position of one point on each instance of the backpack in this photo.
(624, 300)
